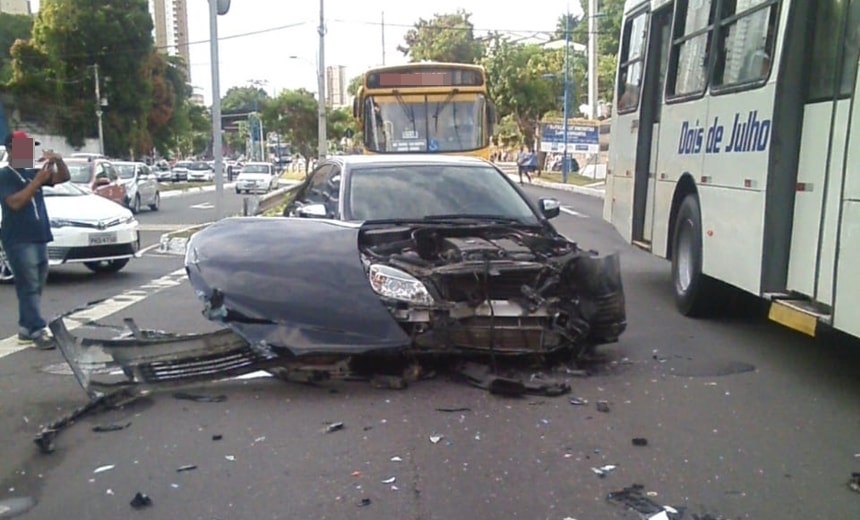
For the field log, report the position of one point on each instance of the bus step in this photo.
(800, 315)
(641, 244)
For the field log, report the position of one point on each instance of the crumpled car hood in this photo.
(297, 284)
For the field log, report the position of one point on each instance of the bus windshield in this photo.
(424, 123)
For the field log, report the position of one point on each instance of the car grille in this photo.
(84, 253)
(463, 287)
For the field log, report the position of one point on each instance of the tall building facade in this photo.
(335, 86)
(15, 7)
(170, 28)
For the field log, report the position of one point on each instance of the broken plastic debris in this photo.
(104, 468)
(603, 470)
(200, 398)
(389, 480)
(854, 483)
(463, 409)
(187, 467)
(110, 427)
(603, 406)
(396, 459)
(364, 502)
(333, 427)
(230, 457)
(578, 401)
(140, 501)
(217, 437)
(436, 438)
(640, 441)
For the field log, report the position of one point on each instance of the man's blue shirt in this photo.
(30, 223)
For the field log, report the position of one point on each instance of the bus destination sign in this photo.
(425, 78)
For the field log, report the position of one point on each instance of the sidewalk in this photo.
(596, 189)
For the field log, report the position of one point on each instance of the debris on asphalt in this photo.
(140, 501)
(604, 470)
(11, 507)
(200, 398)
(463, 409)
(386, 382)
(854, 483)
(230, 457)
(436, 438)
(364, 502)
(578, 401)
(603, 406)
(104, 468)
(389, 480)
(396, 459)
(101, 428)
(217, 437)
(187, 467)
(632, 497)
(640, 441)
(333, 427)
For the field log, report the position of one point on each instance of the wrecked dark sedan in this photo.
(440, 254)
(377, 255)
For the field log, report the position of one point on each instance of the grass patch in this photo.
(293, 176)
(182, 186)
(572, 178)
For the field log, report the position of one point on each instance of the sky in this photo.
(353, 38)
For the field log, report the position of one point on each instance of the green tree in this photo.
(12, 27)
(354, 83)
(560, 26)
(340, 124)
(168, 116)
(446, 37)
(517, 77)
(608, 23)
(293, 114)
(244, 99)
(59, 62)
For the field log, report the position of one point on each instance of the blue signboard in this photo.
(583, 136)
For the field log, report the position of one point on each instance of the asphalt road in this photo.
(743, 419)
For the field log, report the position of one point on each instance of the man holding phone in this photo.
(26, 230)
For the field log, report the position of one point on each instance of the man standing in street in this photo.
(26, 231)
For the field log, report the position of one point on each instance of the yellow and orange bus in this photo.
(425, 108)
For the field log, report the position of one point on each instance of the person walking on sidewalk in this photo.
(26, 231)
(523, 160)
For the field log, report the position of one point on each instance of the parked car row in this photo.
(131, 184)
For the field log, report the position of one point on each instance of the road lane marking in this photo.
(161, 227)
(574, 213)
(106, 308)
(203, 205)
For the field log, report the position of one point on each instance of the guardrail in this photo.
(257, 205)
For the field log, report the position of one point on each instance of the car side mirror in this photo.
(550, 207)
(312, 211)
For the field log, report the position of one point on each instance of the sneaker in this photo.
(40, 340)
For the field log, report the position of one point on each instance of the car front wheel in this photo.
(156, 204)
(107, 266)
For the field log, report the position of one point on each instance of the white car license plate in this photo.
(100, 239)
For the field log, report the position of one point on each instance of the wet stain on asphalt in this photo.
(716, 369)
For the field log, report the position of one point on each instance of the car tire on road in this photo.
(135, 206)
(107, 266)
(156, 204)
(694, 290)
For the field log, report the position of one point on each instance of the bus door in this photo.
(645, 179)
(832, 65)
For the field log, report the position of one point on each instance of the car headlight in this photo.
(397, 285)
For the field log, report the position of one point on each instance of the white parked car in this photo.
(200, 171)
(141, 185)
(88, 229)
(256, 176)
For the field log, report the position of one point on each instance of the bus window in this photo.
(745, 49)
(829, 21)
(851, 50)
(633, 54)
(690, 47)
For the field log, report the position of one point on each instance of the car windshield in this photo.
(126, 171)
(416, 192)
(79, 173)
(182, 165)
(66, 189)
(256, 168)
(199, 166)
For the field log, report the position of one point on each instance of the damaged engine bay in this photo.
(338, 300)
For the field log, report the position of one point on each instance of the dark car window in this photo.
(79, 173)
(318, 189)
(111, 172)
(126, 171)
(414, 192)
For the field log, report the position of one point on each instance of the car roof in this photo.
(412, 159)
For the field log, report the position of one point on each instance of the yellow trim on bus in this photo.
(793, 318)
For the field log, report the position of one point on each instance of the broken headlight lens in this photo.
(397, 285)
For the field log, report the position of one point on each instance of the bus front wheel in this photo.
(693, 290)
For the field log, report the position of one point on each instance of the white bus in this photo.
(735, 152)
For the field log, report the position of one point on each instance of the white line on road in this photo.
(106, 308)
(574, 213)
(203, 205)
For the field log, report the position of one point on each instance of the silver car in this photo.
(257, 176)
(141, 185)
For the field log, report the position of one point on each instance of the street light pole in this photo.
(322, 139)
(564, 161)
(592, 59)
(99, 112)
(216, 110)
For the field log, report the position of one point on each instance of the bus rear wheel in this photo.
(694, 291)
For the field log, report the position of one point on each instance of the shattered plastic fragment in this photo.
(640, 441)
(364, 502)
(217, 437)
(104, 468)
(854, 483)
(333, 427)
(454, 409)
(603, 470)
(396, 459)
(435, 438)
(230, 457)
(603, 406)
(187, 467)
(200, 398)
(110, 427)
(578, 401)
(140, 501)
(389, 480)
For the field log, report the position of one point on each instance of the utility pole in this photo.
(322, 139)
(383, 38)
(564, 161)
(216, 107)
(99, 111)
(592, 59)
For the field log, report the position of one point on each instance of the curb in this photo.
(172, 245)
(582, 190)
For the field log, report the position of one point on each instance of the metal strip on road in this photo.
(105, 308)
